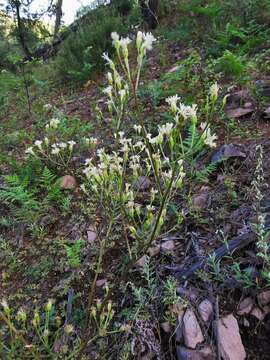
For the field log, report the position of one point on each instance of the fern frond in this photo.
(203, 175)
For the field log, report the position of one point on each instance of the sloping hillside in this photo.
(134, 212)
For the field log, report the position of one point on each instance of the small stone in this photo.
(257, 313)
(267, 112)
(248, 105)
(245, 306)
(206, 310)
(154, 250)
(91, 235)
(200, 201)
(142, 183)
(177, 308)
(264, 297)
(191, 330)
(186, 354)
(263, 87)
(226, 152)
(231, 345)
(190, 294)
(142, 261)
(168, 246)
(68, 182)
(239, 112)
(166, 327)
(101, 282)
(266, 310)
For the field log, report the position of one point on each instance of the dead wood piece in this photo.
(237, 243)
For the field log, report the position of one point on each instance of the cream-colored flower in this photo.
(62, 145)
(122, 93)
(55, 149)
(30, 151)
(214, 91)
(108, 91)
(54, 123)
(69, 329)
(139, 40)
(71, 144)
(148, 41)
(166, 129)
(38, 143)
(187, 111)
(105, 56)
(110, 78)
(173, 101)
(124, 42)
(210, 139)
(115, 37)
(137, 128)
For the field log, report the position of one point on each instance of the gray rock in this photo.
(68, 182)
(206, 310)
(91, 235)
(187, 354)
(191, 330)
(188, 293)
(231, 345)
(142, 183)
(264, 297)
(226, 152)
(245, 306)
(200, 201)
(258, 313)
(263, 87)
(239, 112)
(168, 246)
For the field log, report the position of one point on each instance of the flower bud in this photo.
(69, 329)
(36, 319)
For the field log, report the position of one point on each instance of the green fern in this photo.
(193, 143)
(74, 253)
(47, 179)
(19, 199)
(203, 175)
(15, 192)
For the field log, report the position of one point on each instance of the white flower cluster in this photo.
(44, 146)
(181, 110)
(91, 141)
(118, 88)
(53, 124)
(213, 92)
(108, 165)
(208, 138)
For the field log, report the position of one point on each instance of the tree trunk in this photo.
(20, 27)
(58, 17)
(149, 9)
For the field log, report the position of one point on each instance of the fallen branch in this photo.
(237, 243)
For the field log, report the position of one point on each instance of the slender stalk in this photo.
(28, 346)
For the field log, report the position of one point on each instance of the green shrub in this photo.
(230, 64)
(81, 53)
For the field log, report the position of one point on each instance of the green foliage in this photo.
(203, 174)
(185, 80)
(73, 253)
(80, 54)
(28, 200)
(230, 64)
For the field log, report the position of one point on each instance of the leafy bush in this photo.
(81, 53)
(230, 64)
